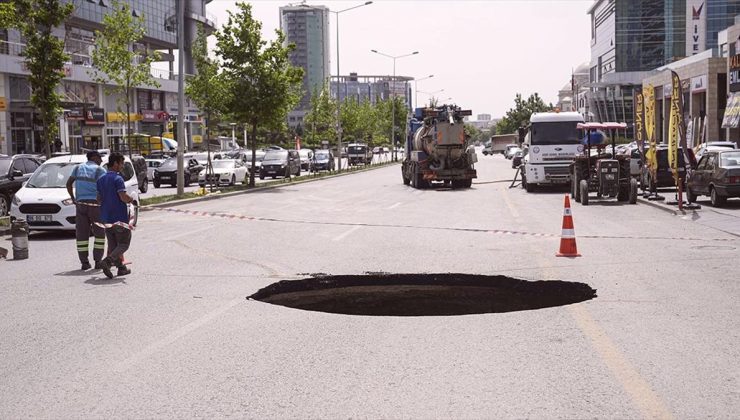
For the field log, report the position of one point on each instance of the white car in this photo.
(306, 156)
(44, 203)
(714, 146)
(225, 171)
(151, 165)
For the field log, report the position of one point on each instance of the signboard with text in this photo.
(696, 26)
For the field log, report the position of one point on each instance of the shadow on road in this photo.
(52, 235)
(73, 273)
(105, 281)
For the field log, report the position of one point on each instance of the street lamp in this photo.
(393, 98)
(416, 90)
(339, 122)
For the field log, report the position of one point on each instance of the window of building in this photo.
(20, 89)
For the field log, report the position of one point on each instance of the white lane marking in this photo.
(393, 206)
(175, 335)
(345, 234)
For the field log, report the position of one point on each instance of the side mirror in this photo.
(16, 173)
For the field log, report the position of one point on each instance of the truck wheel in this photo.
(406, 181)
(467, 183)
(583, 188)
(633, 191)
(624, 193)
(527, 186)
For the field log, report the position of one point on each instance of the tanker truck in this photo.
(437, 150)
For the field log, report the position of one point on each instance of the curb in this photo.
(674, 212)
(185, 201)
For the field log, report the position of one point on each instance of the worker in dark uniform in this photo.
(84, 178)
(113, 200)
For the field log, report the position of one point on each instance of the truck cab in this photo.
(551, 143)
(359, 153)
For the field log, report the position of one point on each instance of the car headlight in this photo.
(16, 200)
(68, 202)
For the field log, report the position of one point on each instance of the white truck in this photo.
(550, 145)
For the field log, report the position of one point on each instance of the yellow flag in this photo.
(675, 124)
(648, 93)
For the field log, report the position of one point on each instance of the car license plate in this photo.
(165, 177)
(610, 177)
(39, 218)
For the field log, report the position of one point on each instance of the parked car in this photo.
(635, 162)
(306, 156)
(507, 148)
(140, 167)
(45, 203)
(516, 160)
(202, 157)
(487, 149)
(715, 146)
(323, 160)
(280, 163)
(151, 165)
(166, 173)
(225, 171)
(511, 151)
(717, 175)
(14, 171)
(664, 175)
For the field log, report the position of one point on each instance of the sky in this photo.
(482, 53)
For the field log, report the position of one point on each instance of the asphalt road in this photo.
(170, 190)
(177, 338)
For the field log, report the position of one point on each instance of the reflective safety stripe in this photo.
(569, 233)
(83, 242)
(99, 246)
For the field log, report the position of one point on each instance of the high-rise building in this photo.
(308, 28)
(632, 38)
(90, 118)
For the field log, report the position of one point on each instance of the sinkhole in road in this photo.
(421, 294)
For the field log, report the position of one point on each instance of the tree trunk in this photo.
(128, 121)
(254, 153)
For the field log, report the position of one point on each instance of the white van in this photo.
(44, 202)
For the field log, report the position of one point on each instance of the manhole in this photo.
(421, 294)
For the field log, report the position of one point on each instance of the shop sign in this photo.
(696, 26)
(94, 116)
(735, 73)
(149, 115)
(75, 114)
(3, 104)
(121, 117)
(699, 84)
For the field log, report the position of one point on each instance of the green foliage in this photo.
(321, 120)
(519, 115)
(384, 110)
(207, 88)
(117, 60)
(262, 84)
(44, 55)
(472, 133)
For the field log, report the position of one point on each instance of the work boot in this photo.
(85, 266)
(122, 271)
(98, 265)
(105, 266)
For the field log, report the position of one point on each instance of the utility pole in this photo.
(180, 96)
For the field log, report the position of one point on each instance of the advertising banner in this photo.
(639, 119)
(675, 125)
(696, 26)
(648, 93)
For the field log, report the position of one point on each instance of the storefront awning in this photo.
(732, 111)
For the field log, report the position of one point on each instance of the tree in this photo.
(472, 132)
(119, 61)
(262, 84)
(321, 119)
(519, 115)
(44, 55)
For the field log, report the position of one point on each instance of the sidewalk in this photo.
(725, 219)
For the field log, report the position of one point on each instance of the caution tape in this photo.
(472, 230)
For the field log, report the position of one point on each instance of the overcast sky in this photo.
(481, 52)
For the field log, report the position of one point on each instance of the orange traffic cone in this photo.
(568, 237)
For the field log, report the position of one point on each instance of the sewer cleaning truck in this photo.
(437, 149)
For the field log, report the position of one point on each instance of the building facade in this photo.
(91, 118)
(308, 28)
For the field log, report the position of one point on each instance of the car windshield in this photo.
(729, 159)
(357, 149)
(4, 166)
(322, 155)
(223, 164)
(51, 175)
(168, 164)
(552, 133)
(276, 155)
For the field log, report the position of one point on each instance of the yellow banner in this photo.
(675, 123)
(648, 94)
(116, 117)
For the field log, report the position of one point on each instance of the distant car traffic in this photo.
(507, 149)
(717, 175)
(511, 151)
(44, 201)
(323, 160)
(225, 171)
(166, 173)
(151, 165)
(488, 149)
(14, 171)
(306, 156)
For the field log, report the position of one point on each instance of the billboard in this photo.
(696, 26)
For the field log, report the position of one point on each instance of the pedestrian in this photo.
(114, 214)
(84, 178)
